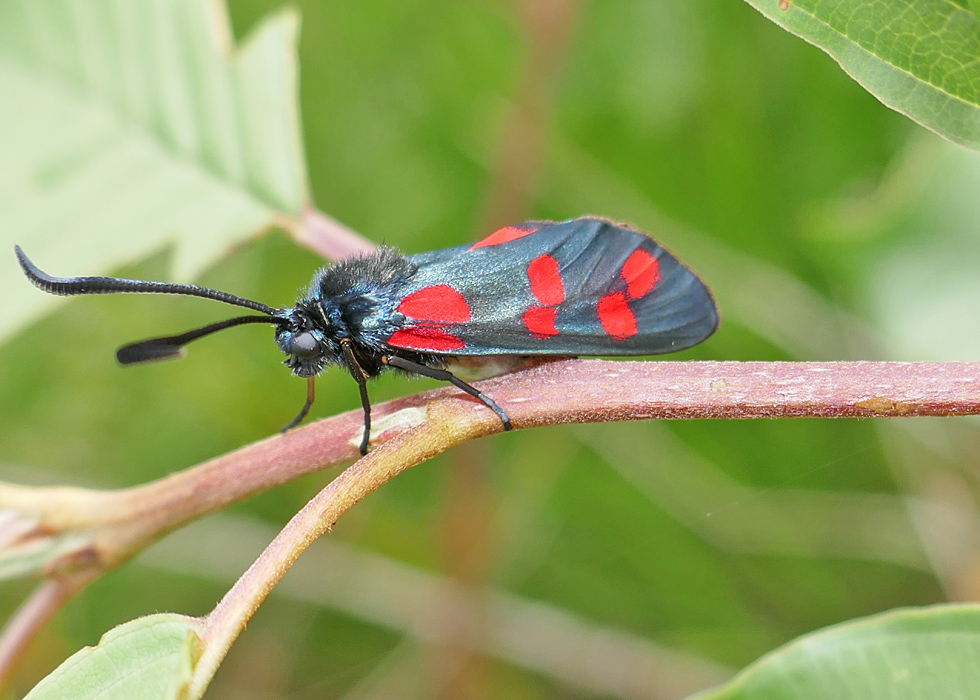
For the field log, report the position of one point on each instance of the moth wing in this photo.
(586, 286)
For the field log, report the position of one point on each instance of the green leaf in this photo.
(922, 653)
(150, 658)
(128, 125)
(919, 57)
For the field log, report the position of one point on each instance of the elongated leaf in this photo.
(925, 653)
(150, 658)
(128, 124)
(919, 57)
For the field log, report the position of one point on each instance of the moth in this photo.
(586, 286)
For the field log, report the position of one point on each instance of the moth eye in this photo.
(303, 345)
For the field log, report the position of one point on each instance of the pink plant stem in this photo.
(413, 429)
(585, 391)
(31, 617)
(563, 391)
(325, 235)
(228, 619)
(595, 390)
(582, 391)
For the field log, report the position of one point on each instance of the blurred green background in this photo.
(829, 228)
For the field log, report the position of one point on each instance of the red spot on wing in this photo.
(507, 233)
(641, 271)
(616, 317)
(439, 303)
(540, 321)
(425, 338)
(546, 284)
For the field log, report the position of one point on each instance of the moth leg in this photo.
(306, 407)
(446, 376)
(360, 376)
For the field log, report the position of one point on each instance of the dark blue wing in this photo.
(581, 287)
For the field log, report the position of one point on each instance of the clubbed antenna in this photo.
(173, 345)
(70, 286)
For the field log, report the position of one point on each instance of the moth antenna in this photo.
(71, 286)
(173, 345)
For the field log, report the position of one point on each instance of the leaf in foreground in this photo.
(921, 653)
(919, 57)
(150, 658)
(128, 125)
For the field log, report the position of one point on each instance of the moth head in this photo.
(304, 342)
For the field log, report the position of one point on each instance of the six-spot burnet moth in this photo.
(581, 287)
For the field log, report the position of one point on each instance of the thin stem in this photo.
(116, 525)
(688, 390)
(566, 391)
(228, 619)
(330, 238)
(33, 614)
